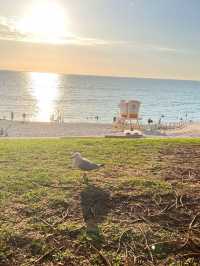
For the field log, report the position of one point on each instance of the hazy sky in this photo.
(144, 38)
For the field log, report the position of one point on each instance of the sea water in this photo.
(42, 96)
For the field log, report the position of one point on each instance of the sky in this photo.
(136, 38)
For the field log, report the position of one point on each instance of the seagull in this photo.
(84, 164)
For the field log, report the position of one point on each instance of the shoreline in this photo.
(18, 129)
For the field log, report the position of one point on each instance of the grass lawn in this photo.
(142, 208)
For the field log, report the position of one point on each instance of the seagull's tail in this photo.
(101, 165)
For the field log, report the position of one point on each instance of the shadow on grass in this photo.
(95, 206)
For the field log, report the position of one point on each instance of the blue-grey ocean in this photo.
(81, 98)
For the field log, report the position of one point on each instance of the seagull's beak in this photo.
(72, 156)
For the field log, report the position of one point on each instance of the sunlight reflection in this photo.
(45, 91)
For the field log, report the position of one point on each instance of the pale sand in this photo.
(189, 130)
(43, 129)
(54, 130)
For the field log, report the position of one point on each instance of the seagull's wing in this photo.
(87, 165)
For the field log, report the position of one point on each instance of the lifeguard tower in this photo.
(128, 114)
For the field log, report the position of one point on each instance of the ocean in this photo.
(40, 96)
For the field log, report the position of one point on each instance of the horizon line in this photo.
(98, 75)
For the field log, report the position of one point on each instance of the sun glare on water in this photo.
(44, 21)
(44, 89)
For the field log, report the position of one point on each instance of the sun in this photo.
(44, 21)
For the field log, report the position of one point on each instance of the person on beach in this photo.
(52, 119)
(150, 121)
(12, 116)
(24, 117)
(159, 121)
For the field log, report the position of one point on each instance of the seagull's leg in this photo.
(85, 179)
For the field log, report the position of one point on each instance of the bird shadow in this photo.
(95, 206)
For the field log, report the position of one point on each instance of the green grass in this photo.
(95, 224)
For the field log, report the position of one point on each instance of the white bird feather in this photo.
(83, 163)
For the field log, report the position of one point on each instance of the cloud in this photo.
(144, 46)
(10, 31)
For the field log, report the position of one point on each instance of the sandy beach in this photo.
(189, 130)
(17, 129)
(45, 129)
